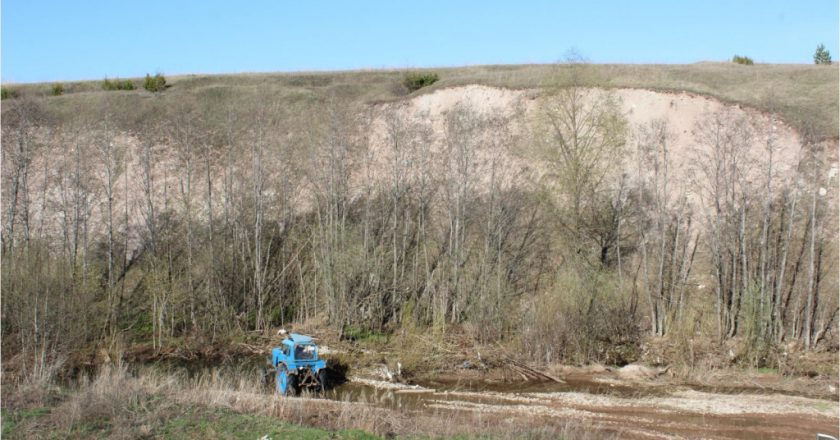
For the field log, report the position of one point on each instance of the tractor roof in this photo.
(301, 339)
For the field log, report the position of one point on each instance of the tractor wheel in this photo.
(292, 387)
(282, 380)
(322, 379)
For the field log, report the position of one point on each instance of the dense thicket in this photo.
(206, 219)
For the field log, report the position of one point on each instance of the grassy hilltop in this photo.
(805, 95)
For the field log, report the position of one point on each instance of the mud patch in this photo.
(634, 410)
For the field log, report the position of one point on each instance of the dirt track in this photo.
(632, 411)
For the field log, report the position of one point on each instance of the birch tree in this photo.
(580, 135)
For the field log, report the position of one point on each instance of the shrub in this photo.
(7, 93)
(358, 333)
(822, 56)
(583, 318)
(118, 84)
(57, 89)
(155, 83)
(110, 397)
(417, 80)
(738, 59)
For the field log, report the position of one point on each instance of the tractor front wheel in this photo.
(286, 383)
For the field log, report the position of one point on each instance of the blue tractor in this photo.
(297, 366)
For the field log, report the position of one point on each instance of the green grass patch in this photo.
(158, 420)
(142, 326)
(824, 406)
(363, 335)
(12, 419)
(223, 423)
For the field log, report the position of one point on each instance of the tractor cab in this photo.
(295, 349)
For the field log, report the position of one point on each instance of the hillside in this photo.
(632, 200)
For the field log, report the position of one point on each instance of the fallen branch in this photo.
(252, 348)
(532, 372)
(528, 373)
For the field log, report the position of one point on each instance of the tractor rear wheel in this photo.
(292, 389)
(322, 379)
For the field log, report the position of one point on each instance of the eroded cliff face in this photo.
(515, 110)
(416, 139)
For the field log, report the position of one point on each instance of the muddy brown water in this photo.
(418, 394)
(631, 409)
(605, 406)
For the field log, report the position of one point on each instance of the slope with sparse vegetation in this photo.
(681, 215)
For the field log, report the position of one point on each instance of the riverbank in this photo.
(418, 385)
(148, 402)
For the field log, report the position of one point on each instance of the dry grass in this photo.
(117, 403)
(805, 95)
(112, 395)
(32, 378)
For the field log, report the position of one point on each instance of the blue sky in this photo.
(69, 40)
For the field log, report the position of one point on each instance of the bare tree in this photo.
(404, 136)
(580, 135)
(186, 132)
(667, 222)
(813, 242)
(21, 122)
(462, 138)
(334, 145)
(264, 140)
(110, 157)
(722, 166)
